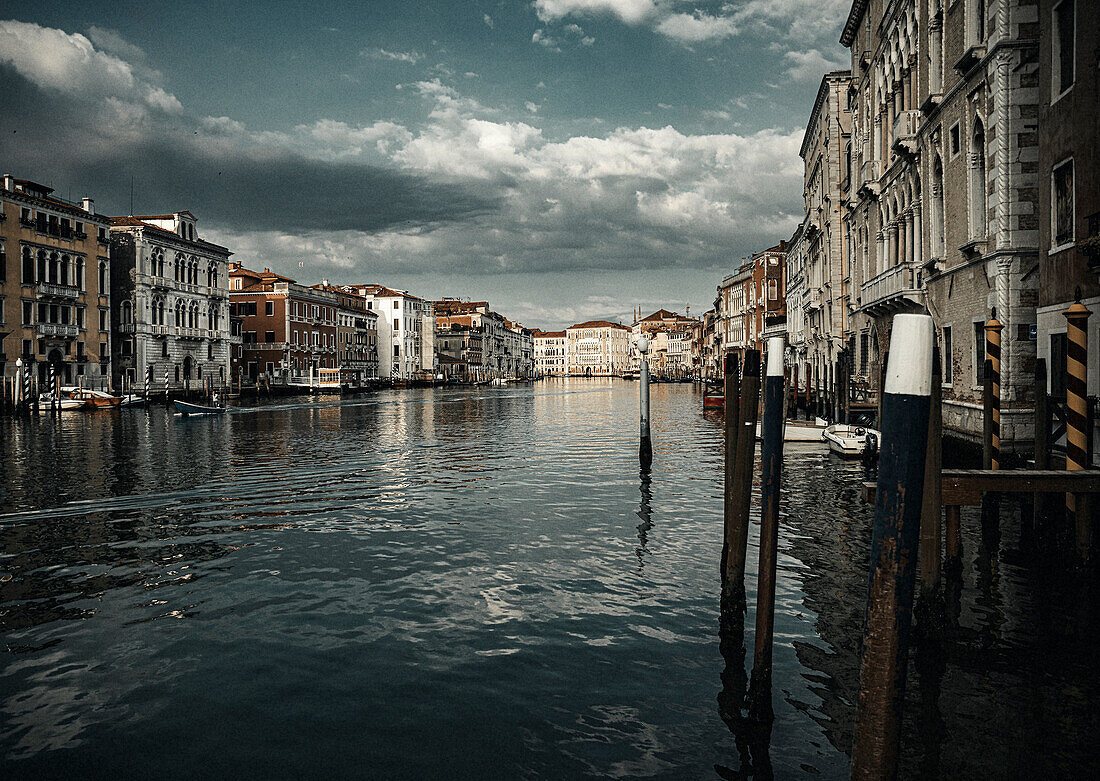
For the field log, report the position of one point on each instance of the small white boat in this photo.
(131, 400)
(47, 402)
(850, 441)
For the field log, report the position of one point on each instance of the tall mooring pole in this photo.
(645, 446)
(1077, 449)
(906, 402)
(771, 477)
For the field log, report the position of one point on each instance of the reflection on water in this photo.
(476, 582)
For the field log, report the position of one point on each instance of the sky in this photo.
(564, 159)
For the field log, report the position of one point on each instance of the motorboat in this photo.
(47, 402)
(800, 430)
(187, 408)
(92, 399)
(850, 441)
(131, 400)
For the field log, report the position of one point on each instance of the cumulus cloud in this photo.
(471, 189)
(811, 65)
(629, 11)
(814, 21)
(69, 63)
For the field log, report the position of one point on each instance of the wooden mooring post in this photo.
(931, 507)
(1077, 449)
(771, 477)
(732, 411)
(737, 532)
(895, 539)
(645, 445)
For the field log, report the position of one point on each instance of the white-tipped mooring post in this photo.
(895, 540)
(771, 478)
(645, 446)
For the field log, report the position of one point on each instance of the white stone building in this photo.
(169, 304)
(406, 331)
(598, 348)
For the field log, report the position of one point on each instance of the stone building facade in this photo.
(55, 294)
(170, 303)
(550, 357)
(823, 329)
(598, 348)
(1069, 182)
(942, 204)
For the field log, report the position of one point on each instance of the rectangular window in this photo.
(269, 337)
(946, 357)
(80, 316)
(28, 348)
(127, 347)
(1063, 50)
(1057, 366)
(269, 308)
(28, 312)
(955, 139)
(103, 320)
(979, 353)
(164, 349)
(1062, 204)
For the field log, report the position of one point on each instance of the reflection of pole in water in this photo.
(752, 740)
(644, 514)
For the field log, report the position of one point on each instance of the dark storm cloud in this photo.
(174, 164)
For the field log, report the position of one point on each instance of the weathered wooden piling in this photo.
(1041, 451)
(905, 406)
(737, 533)
(1077, 454)
(732, 411)
(771, 477)
(931, 512)
(987, 415)
(645, 446)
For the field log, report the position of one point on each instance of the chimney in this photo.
(9, 183)
(324, 283)
(88, 205)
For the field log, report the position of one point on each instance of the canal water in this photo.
(473, 583)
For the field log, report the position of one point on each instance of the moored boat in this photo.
(47, 402)
(92, 399)
(187, 408)
(849, 441)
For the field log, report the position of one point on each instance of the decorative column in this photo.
(918, 236)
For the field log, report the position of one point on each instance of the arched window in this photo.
(79, 278)
(28, 266)
(158, 310)
(65, 260)
(212, 275)
(55, 265)
(193, 315)
(126, 313)
(156, 262)
(104, 280)
(977, 182)
(181, 313)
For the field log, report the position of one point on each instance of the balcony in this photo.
(160, 330)
(58, 291)
(869, 174)
(812, 299)
(896, 288)
(127, 328)
(63, 330)
(906, 125)
(184, 332)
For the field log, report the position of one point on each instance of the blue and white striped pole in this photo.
(895, 541)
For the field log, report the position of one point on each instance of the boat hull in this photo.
(186, 408)
(714, 402)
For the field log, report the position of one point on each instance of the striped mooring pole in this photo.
(1077, 455)
(993, 330)
(906, 408)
